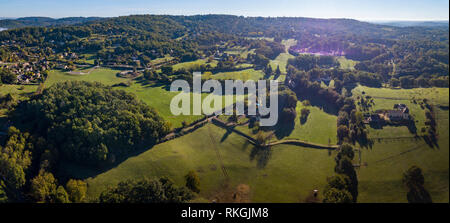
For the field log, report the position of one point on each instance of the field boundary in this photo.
(253, 141)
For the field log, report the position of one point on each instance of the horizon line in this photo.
(246, 16)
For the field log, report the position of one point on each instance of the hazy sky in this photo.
(356, 9)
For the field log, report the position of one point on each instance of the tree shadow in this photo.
(262, 156)
(266, 76)
(320, 103)
(349, 87)
(69, 169)
(303, 120)
(412, 127)
(365, 143)
(431, 141)
(227, 133)
(276, 76)
(282, 129)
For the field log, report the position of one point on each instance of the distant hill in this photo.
(414, 23)
(44, 21)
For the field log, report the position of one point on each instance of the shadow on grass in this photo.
(303, 120)
(319, 102)
(262, 156)
(431, 141)
(228, 133)
(282, 130)
(72, 170)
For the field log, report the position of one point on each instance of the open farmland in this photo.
(104, 75)
(224, 163)
(384, 163)
(395, 149)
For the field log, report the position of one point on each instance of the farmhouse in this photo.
(399, 113)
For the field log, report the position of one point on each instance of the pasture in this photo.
(395, 149)
(385, 98)
(281, 61)
(104, 75)
(225, 164)
(17, 90)
(241, 51)
(346, 63)
(244, 75)
(380, 177)
(192, 64)
(320, 127)
(159, 98)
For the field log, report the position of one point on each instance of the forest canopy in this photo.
(90, 123)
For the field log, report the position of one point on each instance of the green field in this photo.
(437, 96)
(288, 43)
(162, 60)
(104, 75)
(18, 90)
(159, 98)
(346, 63)
(281, 61)
(385, 98)
(320, 127)
(283, 58)
(248, 74)
(380, 180)
(88, 58)
(191, 64)
(304, 169)
(241, 51)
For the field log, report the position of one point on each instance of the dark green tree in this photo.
(146, 191)
(193, 181)
(414, 181)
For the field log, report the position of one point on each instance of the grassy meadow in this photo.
(227, 164)
(320, 127)
(191, 64)
(346, 63)
(385, 98)
(383, 166)
(384, 163)
(104, 75)
(244, 75)
(19, 90)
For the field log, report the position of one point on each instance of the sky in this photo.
(368, 10)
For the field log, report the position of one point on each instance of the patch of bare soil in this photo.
(228, 194)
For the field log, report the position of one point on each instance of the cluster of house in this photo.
(399, 113)
(8, 43)
(28, 71)
(221, 55)
(69, 56)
